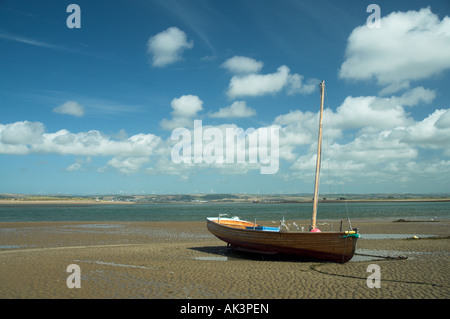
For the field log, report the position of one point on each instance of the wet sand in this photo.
(172, 260)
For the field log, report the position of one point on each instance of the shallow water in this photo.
(12, 246)
(385, 211)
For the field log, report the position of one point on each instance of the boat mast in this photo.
(319, 153)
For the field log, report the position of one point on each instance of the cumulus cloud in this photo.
(415, 96)
(227, 148)
(235, 110)
(79, 164)
(433, 132)
(374, 136)
(167, 46)
(70, 108)
(242, 64)
(23, 132)
(128, 154)
(128, 165)
(16, 138)
(375, 148)
(185, 108)
(443, 121)
(258, 84)
(255, 84)
(30, 137)
(409, 46)
(358, 121)
(369, 113)
(296, 84)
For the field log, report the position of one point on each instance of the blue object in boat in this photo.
(265, 228)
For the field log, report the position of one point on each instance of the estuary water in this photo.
(383, 211)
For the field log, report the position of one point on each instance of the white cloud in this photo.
(128, 165)
(95, 143)
(261, 84)
(30, 137)
(242, 64)
(226, 148)
(415, 96)
(184, 109)
(74, 167)
(297, 85)
(235, 110)
(371, 140)
(369, 113)
(373, 137)
(186, 106)
(25, 133)
(258, 84)
(409, 46)
(79, 164)
(70, 108)
(297, 129)
(443, 122)
(375, 148)
(433, 132)
(166, 47)
(170, 124)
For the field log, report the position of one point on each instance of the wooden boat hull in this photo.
(328, 246)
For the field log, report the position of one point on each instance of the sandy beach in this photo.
(171, 260)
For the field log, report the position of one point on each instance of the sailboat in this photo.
(333, 246)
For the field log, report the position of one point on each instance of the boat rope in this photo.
(327, 139)
(346, 207)
(384, 257)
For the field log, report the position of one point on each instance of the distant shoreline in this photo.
(369, 200)
(60, 202)
(106, 202)
(216, 198)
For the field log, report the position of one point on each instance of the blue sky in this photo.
(91, 110)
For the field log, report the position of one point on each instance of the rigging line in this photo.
(346, 207)
(327, 138)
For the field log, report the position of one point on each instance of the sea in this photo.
(370, 211)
